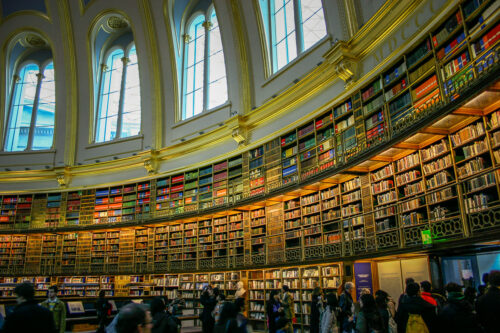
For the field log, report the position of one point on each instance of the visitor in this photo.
(420, 311)
(369, 319)
(487, 305)
(57, 308)
(28, 316)
(287, 305)
(328, 322)
(426, 293)
(403, 296)
(221, 298)
(178, 304)
(282, 325)
(470, 295)
(241, 319)
(103, 309)
(457, 315)
(134, 318)
(208, 300)
(273, 313)
(316, 309)
(227, 320)
(386, 308)
(163, 321)
(346, 304)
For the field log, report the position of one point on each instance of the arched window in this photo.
(204, 76)
(293, 26)
(30, 123)
(119, 108)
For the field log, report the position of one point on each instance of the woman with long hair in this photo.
(273, 310)
(328, 319)
(369, 319)
(385, 306)
(227, 321)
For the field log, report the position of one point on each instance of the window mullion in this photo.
(272, 35)
(206, 66)
(119, 122)
(299, 31)
(104, 68)
(39, 77)
(15, 80)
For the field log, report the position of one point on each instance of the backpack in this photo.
(416, 324)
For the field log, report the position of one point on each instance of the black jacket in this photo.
(457, 316)
(416, 305)
(208, 303)
(164, 322)
(487, 310)
(272, 315)
(29, 317)
(345, 304)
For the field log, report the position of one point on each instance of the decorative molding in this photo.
(117, 23)
(344, 62)
(151, 163)
(63, 176)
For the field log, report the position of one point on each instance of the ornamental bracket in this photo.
(239, 130)
(151, 163)
(344, 62)
(63, 176)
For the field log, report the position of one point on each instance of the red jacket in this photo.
(428, 298)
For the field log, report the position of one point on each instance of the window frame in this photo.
(207, 16)
(35, 106)
(103, 66)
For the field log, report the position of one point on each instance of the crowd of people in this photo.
(420, 309)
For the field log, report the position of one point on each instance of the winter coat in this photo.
(457, 316)
(29, 317)
(416, 305)
(328, 321)
(58, 310)
(345, 304)
(487, 310)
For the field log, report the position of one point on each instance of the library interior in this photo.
(168, 148)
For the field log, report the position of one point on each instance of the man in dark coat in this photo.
(28, 316)
(208, 300)
(346, 318)
(488, 305)
(414, 304)
(457, 315)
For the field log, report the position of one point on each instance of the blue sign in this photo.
(363, 277)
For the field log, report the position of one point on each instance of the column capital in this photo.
(125, 60)
(187, 38)
(207, 25)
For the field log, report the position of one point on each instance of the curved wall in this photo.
(261, 106)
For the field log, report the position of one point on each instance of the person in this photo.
(227, 321)
(57, 308)
(282, 325)
(457, 315)
(28, 316)
(316, 309)
(482, 288)
(111, 328)
(287, 305)
(439, 295)
(103, 309)
(386, 308)
(273, 306)
(178, 304)
(413, 304)
(369, 319)
(470, 295)
(487, 305)
(163, 321)
(328, 320)
(402, 297)
(208, 300)
(134, 318)
(346, 309)
(241, 319)
(426, 293)
(221, 298)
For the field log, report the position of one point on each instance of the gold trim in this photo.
(241, 41)
(157, 94)
(71, 83)
(351, 17)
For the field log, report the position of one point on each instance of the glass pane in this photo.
(292, 47)
(45, 115)
(188, 109)
(190, 80)
(131, 124)
(131, 120)
(200, 48)
(198, 77)
(198, 101)
(22, 108)
(217, 67)
(218, 93)
(313, 22)
(290, 17)
(279, 21)
(281, 54)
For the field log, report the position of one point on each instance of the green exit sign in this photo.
(426, 237)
